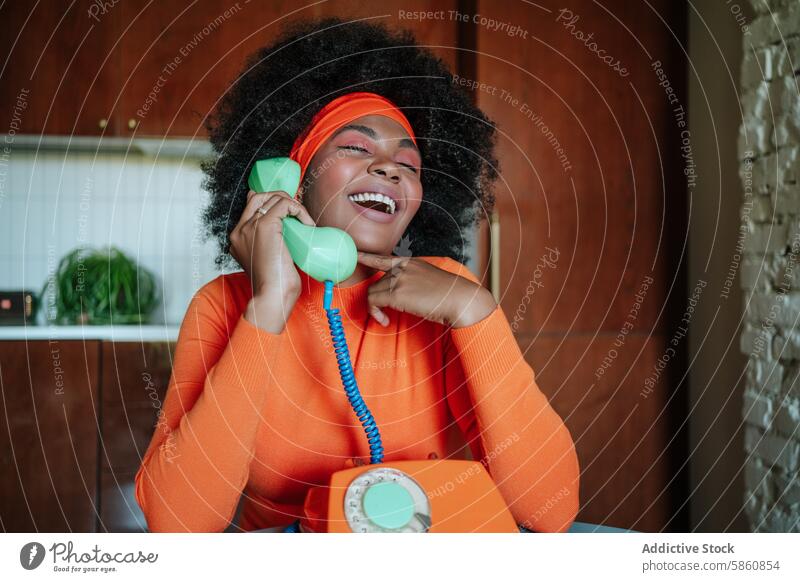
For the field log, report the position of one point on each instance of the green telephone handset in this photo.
(324, 253)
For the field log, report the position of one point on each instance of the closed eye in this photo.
(354, 147)
(365, 150)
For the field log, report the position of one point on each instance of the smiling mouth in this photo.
(375, 201)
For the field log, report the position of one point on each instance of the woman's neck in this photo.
(361, 273)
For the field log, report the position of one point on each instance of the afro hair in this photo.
(285, 83)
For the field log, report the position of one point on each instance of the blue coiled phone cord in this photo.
(349, 378)
(350, 387)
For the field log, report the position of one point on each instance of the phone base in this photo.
(439, 496)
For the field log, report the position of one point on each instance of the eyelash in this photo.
(360, 149)
(354, 147)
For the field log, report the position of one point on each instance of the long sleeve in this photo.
(197, 464)
(510, 425)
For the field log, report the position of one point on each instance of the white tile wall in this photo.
(148, 208)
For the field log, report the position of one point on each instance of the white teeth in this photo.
(375, 197)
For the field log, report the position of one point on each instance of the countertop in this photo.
(119, 333)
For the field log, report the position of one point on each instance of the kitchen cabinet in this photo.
(141, 68)
(77, 416)
(57, 74)
(134, 381)
(48, 442)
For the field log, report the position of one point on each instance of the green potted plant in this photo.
(102, 286)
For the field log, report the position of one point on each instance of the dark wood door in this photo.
(48, 436)
(592, 227)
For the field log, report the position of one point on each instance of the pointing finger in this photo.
(380, 262)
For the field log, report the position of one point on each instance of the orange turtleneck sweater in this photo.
(264, 416)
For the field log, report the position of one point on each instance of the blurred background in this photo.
(642, 247)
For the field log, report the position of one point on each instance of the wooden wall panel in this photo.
(622, 435)
(605, 212)
(591, 169)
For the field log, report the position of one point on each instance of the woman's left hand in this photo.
(415, 286)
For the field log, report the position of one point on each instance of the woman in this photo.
(394, 153)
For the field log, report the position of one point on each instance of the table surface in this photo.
(577, 527)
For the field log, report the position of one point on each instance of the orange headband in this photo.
(337, 113)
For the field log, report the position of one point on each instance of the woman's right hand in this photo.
(257, 245)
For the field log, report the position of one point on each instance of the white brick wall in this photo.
(770, 140)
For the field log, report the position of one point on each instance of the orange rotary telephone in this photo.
(401, 496)
(409, 496)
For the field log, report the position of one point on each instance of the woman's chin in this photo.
(372, 248)
(368, 238)
(372, 245)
